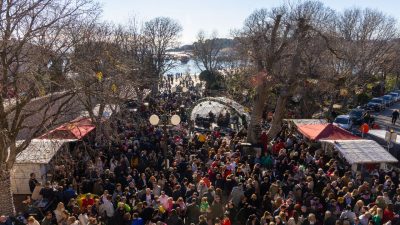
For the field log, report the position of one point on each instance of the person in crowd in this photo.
(32, 182)
(36, 192)
(395, 116)
(48, 219)
(136, 220)
(4, 220)
(32, 221)
(59, 211)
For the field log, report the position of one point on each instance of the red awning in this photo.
(326, 132)
(76, 129)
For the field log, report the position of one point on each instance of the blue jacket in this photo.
(69, 193)
(138, 221)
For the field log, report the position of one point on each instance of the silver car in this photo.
(343, 121)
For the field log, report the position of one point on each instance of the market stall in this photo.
(362, 152)
(325, 132)
(381, 136)
(38, 158)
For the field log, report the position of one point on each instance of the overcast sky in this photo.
(219, 15)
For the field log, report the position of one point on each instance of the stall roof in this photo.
(325, 131)
(381, 134)
(76, 129)
(40, 151)
(362, 151)
(299, 122)
(107, 112)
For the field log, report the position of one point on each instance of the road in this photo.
(384, 118)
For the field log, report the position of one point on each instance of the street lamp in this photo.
(155, 120)
(179, 89)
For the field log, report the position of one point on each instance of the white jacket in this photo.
(107, 207)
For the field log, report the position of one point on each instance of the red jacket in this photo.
(387, 216)
(87, 202)
(277, 147)
(226, 221)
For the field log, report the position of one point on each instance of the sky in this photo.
(216, 15)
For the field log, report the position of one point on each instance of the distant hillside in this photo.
(183, 48)
(225, 42)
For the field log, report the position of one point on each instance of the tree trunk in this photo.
(6, 198)
(383, 83)
(276, 124)
(140, 95)
(330, 108)
(99, 123)
(99, 134)
(253, 132)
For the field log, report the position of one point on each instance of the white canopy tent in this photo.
(217, 105)
(206, 107)
(36, 158)
(358, 152)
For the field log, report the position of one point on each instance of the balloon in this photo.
(154, 119)
(175, 120)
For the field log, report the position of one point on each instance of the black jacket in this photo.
(174, 220)
(32, 184)
(192, 214)
(147, 213)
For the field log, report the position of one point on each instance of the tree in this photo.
(32, 33)
(363, 44)
(206, 52)
(160, 34)
(138, 57)
(275, 41)
(213, 80)
(102, 72)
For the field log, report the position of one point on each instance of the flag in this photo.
(42, 92)
(99, 76)
(114, 88)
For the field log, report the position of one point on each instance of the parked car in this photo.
(396, 91)
(388, 100)
(343, 121)
(376, 104)
(357, 116)
(395, 95)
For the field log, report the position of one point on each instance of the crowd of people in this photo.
(160, 175)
